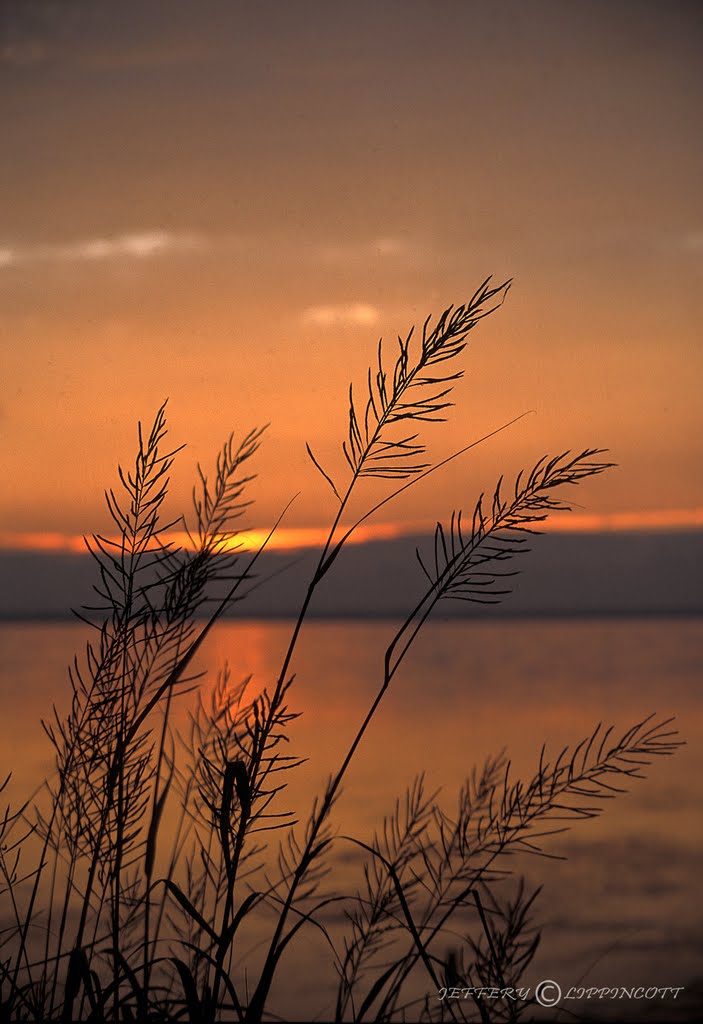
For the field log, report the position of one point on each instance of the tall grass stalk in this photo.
(130, 880)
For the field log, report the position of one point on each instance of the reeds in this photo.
(128, 882)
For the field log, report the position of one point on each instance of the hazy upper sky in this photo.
(228, 203)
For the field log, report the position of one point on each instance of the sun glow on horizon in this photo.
(297, 538)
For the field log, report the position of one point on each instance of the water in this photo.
(621, 910)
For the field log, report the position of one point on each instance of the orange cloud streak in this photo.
(293, 538)
(284, 539)
(656, 519)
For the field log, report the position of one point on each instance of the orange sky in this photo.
(227, 204)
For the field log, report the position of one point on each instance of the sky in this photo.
(227, 204)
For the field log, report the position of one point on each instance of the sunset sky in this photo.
(226, 204)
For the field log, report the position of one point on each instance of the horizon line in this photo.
(297, 538)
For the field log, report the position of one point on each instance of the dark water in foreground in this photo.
(622, 910)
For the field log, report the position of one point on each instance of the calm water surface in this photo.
(622, 909)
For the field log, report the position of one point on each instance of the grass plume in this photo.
(129, 881)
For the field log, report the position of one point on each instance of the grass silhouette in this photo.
(128, 881)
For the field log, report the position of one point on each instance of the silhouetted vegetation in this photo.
(129, 881)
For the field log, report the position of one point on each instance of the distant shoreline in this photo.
(464, 616)
(565, 576)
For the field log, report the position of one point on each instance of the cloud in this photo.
(136, 246)
(350, 314)
(391, 254)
